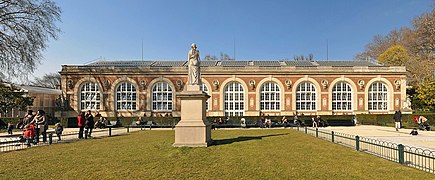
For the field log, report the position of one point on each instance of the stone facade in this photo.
(360, 78)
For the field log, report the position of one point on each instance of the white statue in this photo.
(193, 64)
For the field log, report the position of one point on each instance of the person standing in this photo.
(81, 123)
(400, 115)
(397, 118)
(10, 128)
(89, 122)
(41, 123)
(28, 118)
(313, 120)
(28, 134)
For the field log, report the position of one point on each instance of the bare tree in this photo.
(222, 57)
(25, 28)
(51, 80)
(310, 57)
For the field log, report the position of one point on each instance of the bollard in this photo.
(357, 143)
(317, 132)
(50, 138)
(86, 134)
(332, 136)
(401, 151)
(306, 130)
(298, 128)
(128, 129)
(110, 131)
(141, 127)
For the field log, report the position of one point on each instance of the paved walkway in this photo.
(424, 139)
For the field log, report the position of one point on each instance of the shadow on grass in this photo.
(242, 138)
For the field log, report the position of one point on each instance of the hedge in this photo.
(365, 119)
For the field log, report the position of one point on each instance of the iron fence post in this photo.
(306, 130)
(401, 151)
(110, 131)
(50, 138)
(86, 134)
(332, 136)
(357, 143)
(317, 132)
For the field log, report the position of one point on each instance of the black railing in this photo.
(419, 158)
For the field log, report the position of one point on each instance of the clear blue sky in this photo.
(261, 29)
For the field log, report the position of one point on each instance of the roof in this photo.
(239, 63)
(39, 90)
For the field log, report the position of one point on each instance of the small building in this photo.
(237, 88)
(44, 99)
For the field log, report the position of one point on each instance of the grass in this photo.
(239, 154)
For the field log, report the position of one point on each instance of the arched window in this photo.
(342, 97)
(270, 96)
(161, 97)
(205, 89)
(234, 99)
(306, 96)
(126, 96)
(89, 96)
(378, 96)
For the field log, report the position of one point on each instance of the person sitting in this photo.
(243, 122)
(284, 121)
(414, 132)
(58, 128)
(139, 121)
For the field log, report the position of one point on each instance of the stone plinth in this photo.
(193, 130)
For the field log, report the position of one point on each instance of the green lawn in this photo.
(240, 154)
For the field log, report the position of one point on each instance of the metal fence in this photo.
(419, 158)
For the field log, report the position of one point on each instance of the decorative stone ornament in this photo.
(397, 84)
(216, 84)
(179, 84)
(361, 84)
(288, 83)
(70, 84)
(252, 84)
(107, 83)
(325, 83)
(143, 84)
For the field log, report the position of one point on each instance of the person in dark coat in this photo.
(28, 118)
(58, 130)
(10, 128)
(397, 118)
(89, 122)
(81, 123)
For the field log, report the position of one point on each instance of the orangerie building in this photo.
(236, 88)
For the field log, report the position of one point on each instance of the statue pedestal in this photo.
(193, 130)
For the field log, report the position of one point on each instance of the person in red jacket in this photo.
(81, 123)
(29, 134)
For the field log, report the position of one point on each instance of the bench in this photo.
(113, 124)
